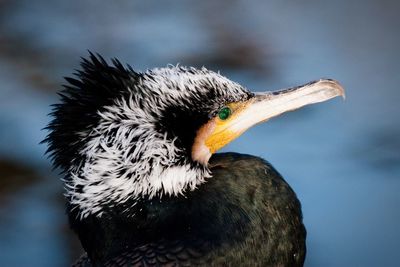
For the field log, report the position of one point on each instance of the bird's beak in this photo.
(263, 106)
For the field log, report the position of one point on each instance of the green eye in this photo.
(224, 113)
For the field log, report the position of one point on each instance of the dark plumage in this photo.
(140, 188)
(246, 215)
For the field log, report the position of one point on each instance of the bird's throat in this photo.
(200, 151)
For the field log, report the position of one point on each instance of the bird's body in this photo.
(246, 215)
(141, 188)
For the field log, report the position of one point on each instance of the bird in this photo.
(143, 183)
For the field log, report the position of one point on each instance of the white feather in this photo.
(137, 161)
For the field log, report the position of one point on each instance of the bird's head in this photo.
(121, 136)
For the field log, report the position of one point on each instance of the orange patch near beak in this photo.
(200, 151)
(215, 134)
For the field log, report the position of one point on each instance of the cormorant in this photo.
(142, 185)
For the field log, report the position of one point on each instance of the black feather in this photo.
(93, 87)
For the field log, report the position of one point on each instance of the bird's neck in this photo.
(246, 205)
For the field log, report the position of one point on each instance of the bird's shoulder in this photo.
(161, 253)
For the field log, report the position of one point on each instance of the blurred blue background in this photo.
(341, 157)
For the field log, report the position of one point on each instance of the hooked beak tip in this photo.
(337, 88)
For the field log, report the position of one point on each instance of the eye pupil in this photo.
(224, 113)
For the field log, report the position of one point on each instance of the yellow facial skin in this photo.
(217, 133)
(222, 133)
